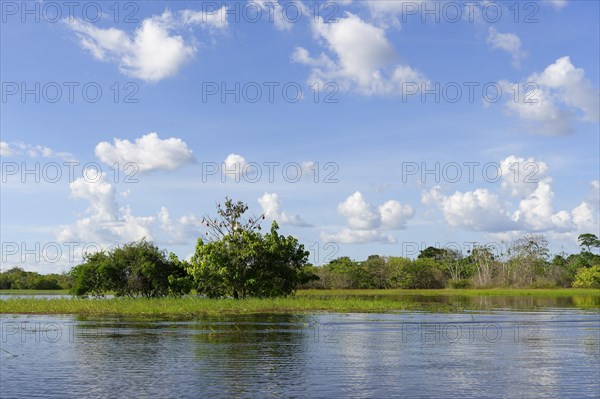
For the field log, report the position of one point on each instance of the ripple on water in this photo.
(551, 353)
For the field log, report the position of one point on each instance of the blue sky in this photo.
(394, 81)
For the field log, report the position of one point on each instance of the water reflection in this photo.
(487, 301)
(493, 354)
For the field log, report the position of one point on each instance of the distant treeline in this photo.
(143, 269)
(527, 263)
(18, 279)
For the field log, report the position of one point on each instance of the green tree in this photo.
(86, 276)
(377, 272)
(281, 264)
(346, 273)
(421, 273)
(529, 259)
(483, 261)
(587, 258)
(5, 282)
(439, 253)
(336, 274)
(46, 282)
(397, 265)
(588, 241)
(240, 262)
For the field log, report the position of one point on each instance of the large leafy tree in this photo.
(238, 261)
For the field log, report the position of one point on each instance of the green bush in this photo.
(421, 273)
(135, 269)
(588, 277)
(46, 283)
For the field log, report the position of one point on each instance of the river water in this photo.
(543, 354)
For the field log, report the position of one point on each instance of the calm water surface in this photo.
(549, 354)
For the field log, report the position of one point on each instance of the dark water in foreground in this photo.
(550, 354)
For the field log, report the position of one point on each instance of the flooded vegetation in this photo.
(310, 301)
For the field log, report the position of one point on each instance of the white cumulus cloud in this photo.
(179, 231)
(363, 58)
(521, 176)
(154, 51)
(106, 222)
(234, 167)
(271, 207)
(275, 13)
(479, 210)
(5, 149)
(148, 152)
(365, 221)
(394, 215)
(359, 213)
(556, 96)
(483, 210)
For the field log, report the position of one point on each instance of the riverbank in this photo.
(315, 301)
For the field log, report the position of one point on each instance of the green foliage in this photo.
(377, 273)
(439, 254)
(559, 261)
(19, 279)
(241, 262)
(179, 281)
(588, 241)
(397, 265)
(527, 264)
(588, 277)
(86, 275)
(249, 264)
(135, 269)
(421, 273)
(282, 260)
(343, 272)
(46, 283)
(587, 259)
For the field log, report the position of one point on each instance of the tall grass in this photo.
(542, 292)
(341, 301)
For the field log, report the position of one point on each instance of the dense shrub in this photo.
(135, 269)
(588, 277)
(421, 273)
